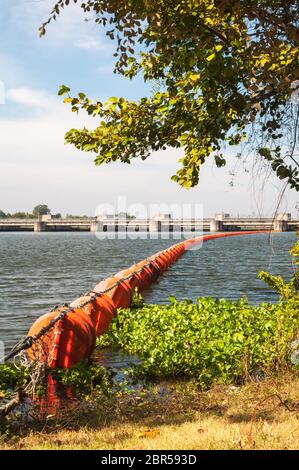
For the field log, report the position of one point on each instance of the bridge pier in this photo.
(216, 225)
(281, 222)
(121, 226)
(96, 226)
(155, 225)
(39, 226)
(280, 226)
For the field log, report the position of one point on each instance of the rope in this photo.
(28, 341)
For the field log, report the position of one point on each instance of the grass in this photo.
(176, 415)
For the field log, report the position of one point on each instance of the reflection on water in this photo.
(39, 270)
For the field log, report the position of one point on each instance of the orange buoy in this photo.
(175, 253)
(179, 249)
(161, 262)
(71, 340)
(154, 268)
(145, 273)
(100, 309)
(166, 258)
(121, 294)
(134, 281)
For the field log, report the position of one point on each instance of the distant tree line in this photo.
(39, 210)
(43, 209)
(120, 215)
(71, 216)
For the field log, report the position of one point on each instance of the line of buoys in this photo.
(73, 337)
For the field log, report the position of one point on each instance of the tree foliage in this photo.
(16, 215)
(41, 209)
(218, 67)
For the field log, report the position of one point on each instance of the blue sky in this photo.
(37, 167)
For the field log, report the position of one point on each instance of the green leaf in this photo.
(63, 90)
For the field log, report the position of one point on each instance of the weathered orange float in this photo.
(160, 264)
(67, 343)
(145, 273)
(100, 310)
(72, 337)
(133, 278)
(154, 270)
(117, 289)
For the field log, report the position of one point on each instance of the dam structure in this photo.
(221, 222)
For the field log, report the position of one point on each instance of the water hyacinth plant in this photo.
(210, 341)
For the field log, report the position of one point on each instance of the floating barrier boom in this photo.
(67, 335)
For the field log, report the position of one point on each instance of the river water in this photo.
(40, 270)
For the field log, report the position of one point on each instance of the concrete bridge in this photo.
(164, 223)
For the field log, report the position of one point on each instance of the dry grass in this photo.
(255, 416)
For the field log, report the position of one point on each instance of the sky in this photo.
(36, 165)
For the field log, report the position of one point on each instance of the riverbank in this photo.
(176, 415)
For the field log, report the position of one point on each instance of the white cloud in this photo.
(28, 16)
(32, 98)
(48, 107)
(69, 30)
(91, 43)
(105, 69)
(11, 73)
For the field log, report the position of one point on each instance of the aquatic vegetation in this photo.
(12, 377)
(85, 378)
(137, 300)
(211, 340)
